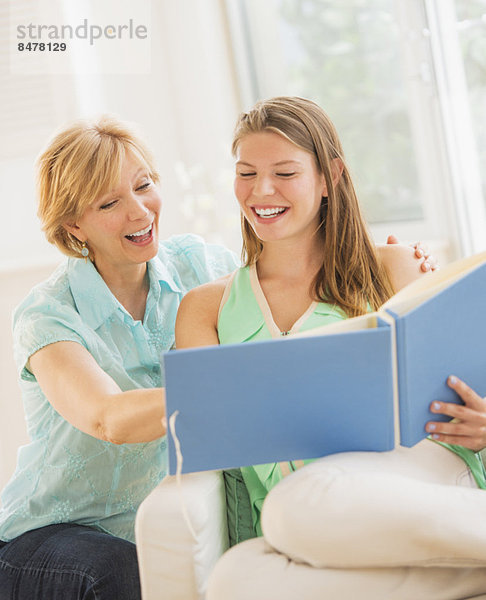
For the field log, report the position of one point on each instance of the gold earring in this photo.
(85, 251)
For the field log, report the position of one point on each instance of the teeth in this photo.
(141, 232)
(269, 212)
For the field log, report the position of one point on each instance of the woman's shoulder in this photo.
(197, 317)
(46, 315)
(208, 295)
(48, 312)
(49, 294)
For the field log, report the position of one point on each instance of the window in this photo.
(471, 27)
(383, 70)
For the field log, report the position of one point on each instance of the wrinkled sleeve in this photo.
(35, 327)
(201, 262)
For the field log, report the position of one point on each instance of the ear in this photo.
(75, 231)
(337, 168)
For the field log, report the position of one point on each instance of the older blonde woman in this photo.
(88, 343)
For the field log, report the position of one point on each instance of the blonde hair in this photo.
(80, 164)
(351, 275)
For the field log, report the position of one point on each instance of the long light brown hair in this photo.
(350, 276)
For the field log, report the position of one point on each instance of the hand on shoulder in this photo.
(405, 264)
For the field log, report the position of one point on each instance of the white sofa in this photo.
(174, 563)
(430, 544)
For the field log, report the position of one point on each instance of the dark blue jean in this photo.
(68, 562)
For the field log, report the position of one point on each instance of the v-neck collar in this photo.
(267, 313)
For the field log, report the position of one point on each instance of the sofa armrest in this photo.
(174, 564)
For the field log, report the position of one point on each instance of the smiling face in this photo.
(121, 226)
(278, 187)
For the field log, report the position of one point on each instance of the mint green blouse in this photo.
(245, 316)
(64, 475)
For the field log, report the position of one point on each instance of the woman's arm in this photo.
(89, 399)
(197, 317)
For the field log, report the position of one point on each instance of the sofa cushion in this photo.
(253, 570)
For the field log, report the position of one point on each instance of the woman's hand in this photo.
(468, 428)
(402, 263)
(429, 262)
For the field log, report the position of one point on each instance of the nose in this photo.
(137, 208)
(263, 186)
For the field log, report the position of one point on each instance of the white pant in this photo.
(427, 461)
(401, 525)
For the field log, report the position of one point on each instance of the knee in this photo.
(113, 569)
(309, 491)
(70, 561)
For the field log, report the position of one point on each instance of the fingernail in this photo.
(419, 252)
(453, 379)
(427, 266)
(435, 436)
(435, 405)
(431, 427)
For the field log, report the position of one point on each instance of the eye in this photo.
(247, 174)
(108, 205)
(285, 174)
(144, 186)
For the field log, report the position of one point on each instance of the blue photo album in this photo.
(363, 384)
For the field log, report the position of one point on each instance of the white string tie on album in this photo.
(178, 475)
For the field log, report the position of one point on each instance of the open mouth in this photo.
(269, 213)
(142, 236)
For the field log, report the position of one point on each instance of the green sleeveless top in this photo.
(246, 316)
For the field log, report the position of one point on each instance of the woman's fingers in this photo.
(470, 398)
(452, 428)
(420, 250)
(468, 427)
(476, 444)
(469, 435)
(429, 261)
